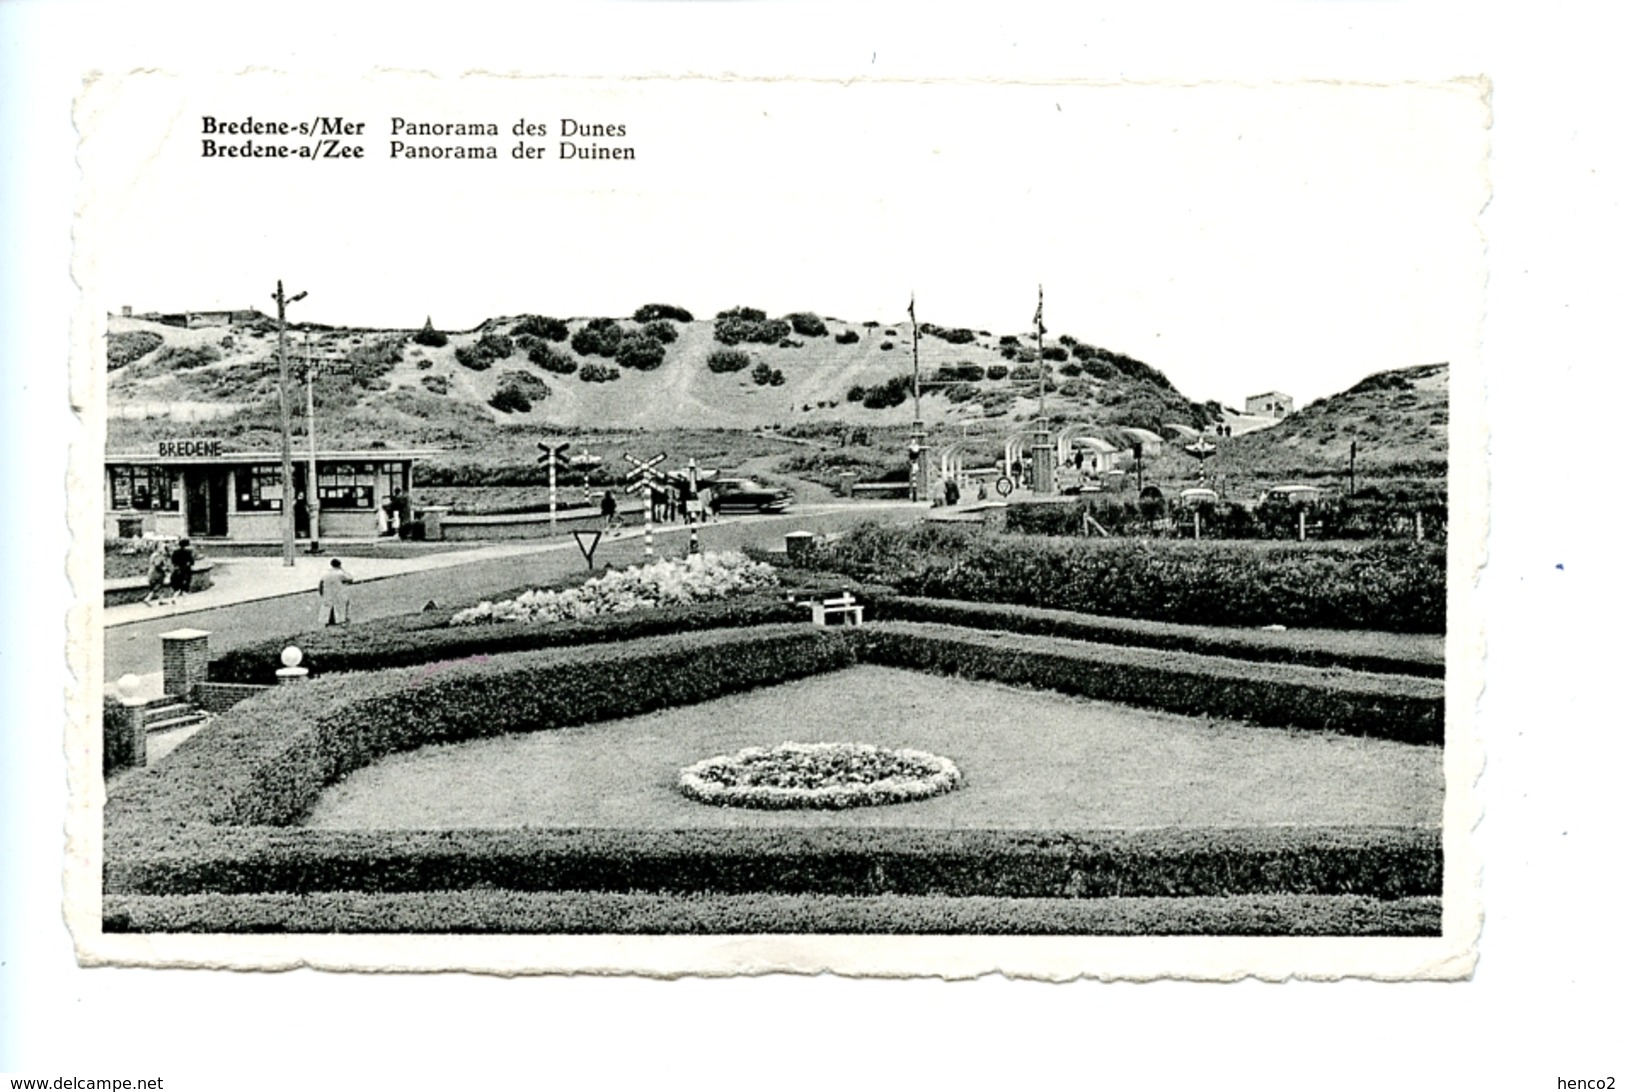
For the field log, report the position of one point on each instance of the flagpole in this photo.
(1043, 448)
(920, 472)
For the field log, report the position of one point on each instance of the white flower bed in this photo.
(818, 775)
(692, 579)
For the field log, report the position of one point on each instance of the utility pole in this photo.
(282, 301)
(313, 493)
(920, 471)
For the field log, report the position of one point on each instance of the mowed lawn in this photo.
(1031, 760)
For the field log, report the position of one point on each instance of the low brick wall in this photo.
(215, 697)
(133, 589)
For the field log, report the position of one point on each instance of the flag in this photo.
(1038, 315)
(911, 307)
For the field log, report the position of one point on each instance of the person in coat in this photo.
(157, 574)
(181, 562)
(334, 591)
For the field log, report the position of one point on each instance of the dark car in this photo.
(745, 495)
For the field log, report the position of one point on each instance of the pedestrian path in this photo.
(247, 579)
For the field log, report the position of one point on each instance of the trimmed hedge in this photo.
(517, 912)
(1394, 587)
(1379, 862)
(1408, 710)
(266, 761)
(1312, 649)
(412, 640)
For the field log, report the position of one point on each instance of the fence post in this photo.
(1303, 531)
(1419, 526)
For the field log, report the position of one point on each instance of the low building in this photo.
(197, 489)
(1269, 404)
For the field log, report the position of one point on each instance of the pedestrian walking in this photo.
(334, 593)
(950, 492)
(606, 507)
(157, 574)
(181, 562)
(707, 501)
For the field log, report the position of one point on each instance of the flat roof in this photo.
(254, 457)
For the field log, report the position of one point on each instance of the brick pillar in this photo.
(186, 661)
(124, 738)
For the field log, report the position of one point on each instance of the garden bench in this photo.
(843, 604)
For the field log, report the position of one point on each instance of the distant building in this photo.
(1150, 443)
(195, 319)
(1269, 404)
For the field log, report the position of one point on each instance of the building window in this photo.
(143, 488)
(259, 489)
(346, 485)
(393, 477)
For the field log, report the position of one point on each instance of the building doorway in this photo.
(206, 502)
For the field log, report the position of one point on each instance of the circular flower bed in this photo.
(818, 775)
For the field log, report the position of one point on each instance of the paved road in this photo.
(135, 648)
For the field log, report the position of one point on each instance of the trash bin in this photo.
(797, 545)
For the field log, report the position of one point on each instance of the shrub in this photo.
(1071, 368)
(1318, 650)
(1396, 707)
(997, 371)
(893, 392)
(723, 361)
(600, 337)
(1396, 587)
(592, 372)
(763, 375)
(652, 312)
(955, 336)
(807, 324)
(425, 364)
(416, 639)
(661, 330)
(745, 314)
(517, 390)
(847, 337)
(183, 357)
(469, 357)
(509, 912)
(886, 346)
(856, 392)
(550, 359)
(1009, 340)
(436, 384)
(1055, 352)
(549, 329)
(510, 400)
(429, 336)
(640, 351)
(127, 347)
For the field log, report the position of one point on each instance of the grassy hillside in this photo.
(1398, 419)
(814, 370)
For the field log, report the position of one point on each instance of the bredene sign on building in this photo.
(189, 449)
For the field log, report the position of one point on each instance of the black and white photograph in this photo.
(623, 545)
(924, 529)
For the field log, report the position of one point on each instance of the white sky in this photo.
(1240, 239)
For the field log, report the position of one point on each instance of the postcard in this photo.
(670, 526)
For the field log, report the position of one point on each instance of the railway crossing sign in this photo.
(550, 459)
(643, 477)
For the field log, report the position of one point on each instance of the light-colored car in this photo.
(1292, 494)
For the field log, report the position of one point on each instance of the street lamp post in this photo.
(282, 301)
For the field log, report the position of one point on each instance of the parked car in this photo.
(1198, 495)
(1292, 494)
(746, 495)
